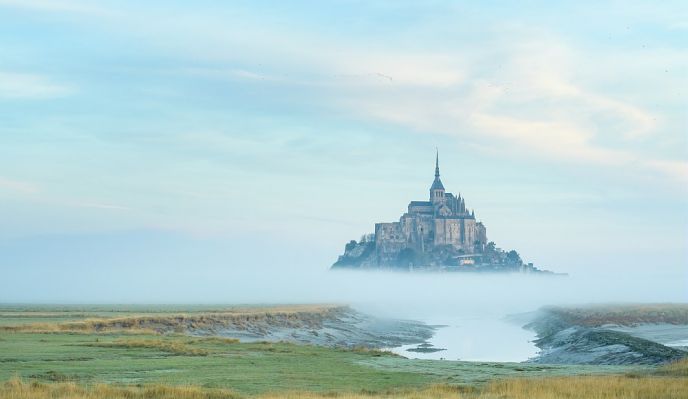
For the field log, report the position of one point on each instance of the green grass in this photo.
(479, 373)
(167, 319)
(243, 367)
(625, 315)
(247, 368)
(672, 385)
(136, 357)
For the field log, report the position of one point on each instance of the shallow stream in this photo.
(474, 338)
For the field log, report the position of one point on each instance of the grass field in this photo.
(623, 315)
(52, 363)
(158, 318)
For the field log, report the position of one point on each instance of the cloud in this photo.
(552, 140)
(526, 91)
(16, 186)
(354, 69)
(519, 86)
(15, 85)
(55, 6)
(676, 169)
(534, 102)
(103, 206)
(407, 69)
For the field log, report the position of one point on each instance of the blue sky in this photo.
(191, 125)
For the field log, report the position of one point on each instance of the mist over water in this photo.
(414, 293)
(158, 267)
(472, 306)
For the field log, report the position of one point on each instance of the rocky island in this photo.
(440, 234)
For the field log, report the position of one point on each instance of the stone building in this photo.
(442, 221)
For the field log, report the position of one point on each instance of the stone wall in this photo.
(428, 209)
(449, 232)
(417, 228)
(470, 235)
(389, 241)
(481, 233)
(459, 233)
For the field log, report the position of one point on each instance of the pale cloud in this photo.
(14, 85)
(563, 142)
(231, 74)
(551, 140)
(544, 68)
(532, 102)
(677, 169)
(349, 69)
(104, 206)
(25, 188)
(565, 129)
(17, 186)
(524, 90)
(637, 122)
(62, 6)
(413, 69)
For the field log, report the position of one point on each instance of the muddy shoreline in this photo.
(338, 327)
(610, 335)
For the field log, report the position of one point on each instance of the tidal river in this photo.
(475, 338)
(478, 311)
(465, 331)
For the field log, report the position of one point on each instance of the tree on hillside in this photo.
(513, 257)
(350, 245)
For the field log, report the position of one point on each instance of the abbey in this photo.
(442, 220)
(437, 234)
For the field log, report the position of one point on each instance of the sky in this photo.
(201, 140)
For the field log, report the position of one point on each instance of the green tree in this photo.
(513, 257)
(350, 245)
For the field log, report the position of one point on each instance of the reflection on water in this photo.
(477, 338)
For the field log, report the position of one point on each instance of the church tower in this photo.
(437, 188)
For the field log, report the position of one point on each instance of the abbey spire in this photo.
(437, 188)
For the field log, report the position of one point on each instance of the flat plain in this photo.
(71, 352)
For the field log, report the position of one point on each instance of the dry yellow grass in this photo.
(293, 315)
(584, 387)
(590, 387)
(174, 347)
(587, 387)
(16, 389)
(627, 315)
(214, 340)
(432, 392)
(82, 327)
(677, 369)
